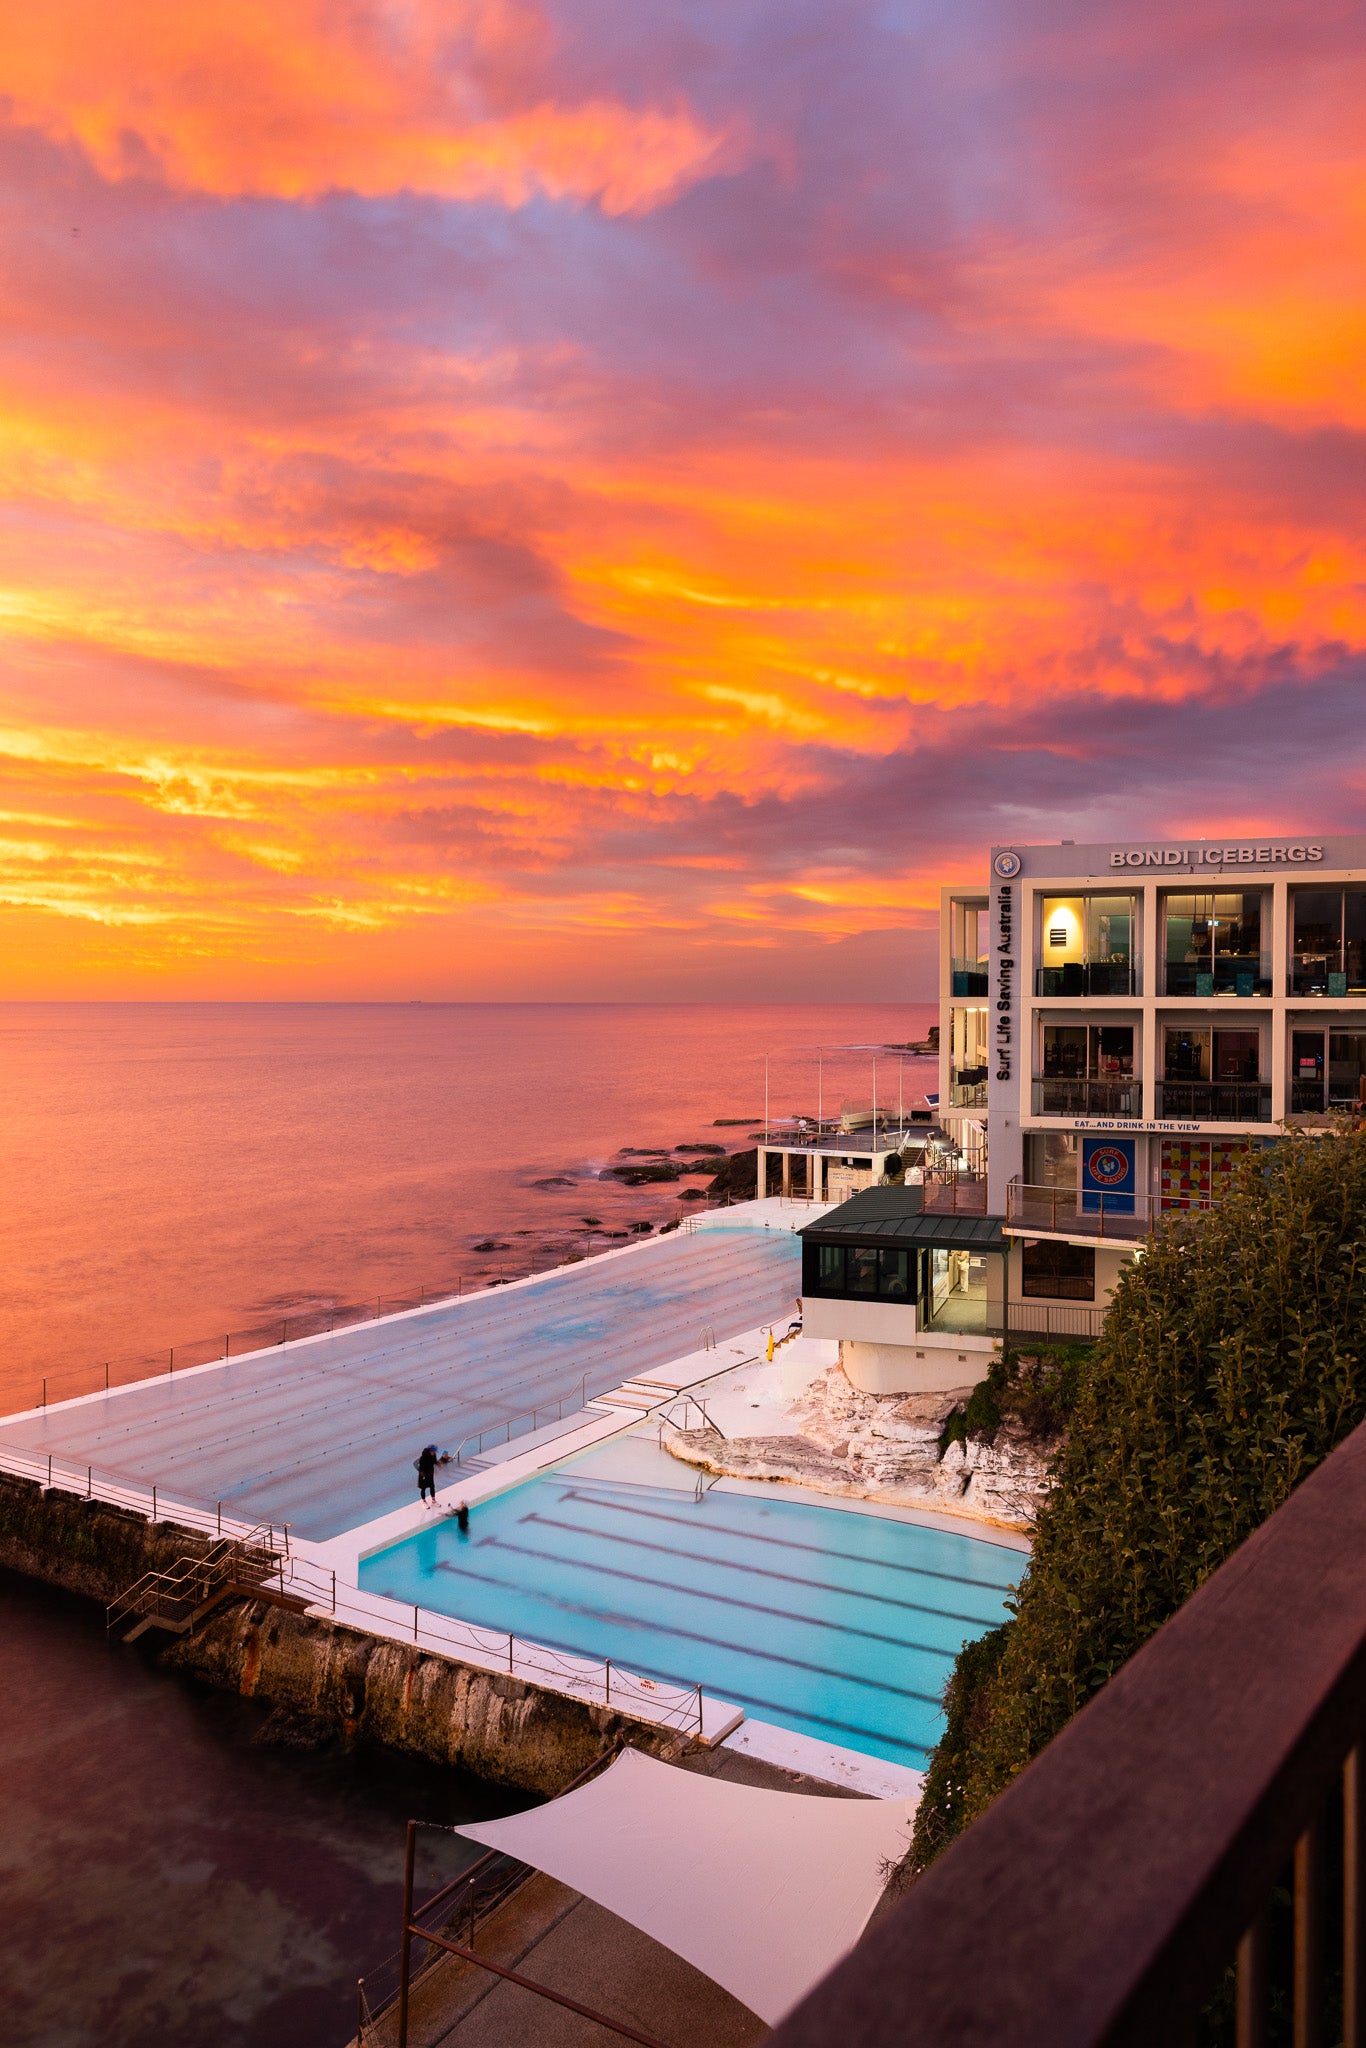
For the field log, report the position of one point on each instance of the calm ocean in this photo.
(170, 1172)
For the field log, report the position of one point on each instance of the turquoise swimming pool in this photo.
(838, 1624)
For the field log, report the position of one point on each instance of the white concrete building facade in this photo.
(1154, 1009)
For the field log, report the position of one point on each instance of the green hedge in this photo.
(1230, 1366)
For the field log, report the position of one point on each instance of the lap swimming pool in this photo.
(838, 1624)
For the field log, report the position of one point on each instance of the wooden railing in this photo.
(1100, 1901)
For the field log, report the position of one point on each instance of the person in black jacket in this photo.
(425, 1466)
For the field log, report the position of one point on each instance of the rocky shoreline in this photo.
(900, 1449)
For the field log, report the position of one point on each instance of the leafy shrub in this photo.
(966, 1703)
(1230, 1366)
(983, 1415)
(1038, 1387)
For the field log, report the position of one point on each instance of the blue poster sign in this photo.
(1107, 1170)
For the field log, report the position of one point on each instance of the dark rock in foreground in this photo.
(642, 1170)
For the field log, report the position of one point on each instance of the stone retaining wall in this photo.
(321, 1677)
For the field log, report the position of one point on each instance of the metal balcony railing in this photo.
(1055, 1095)
(1100, 1900)
(1064, 1212)
(1223, 1102)
(954, 1197)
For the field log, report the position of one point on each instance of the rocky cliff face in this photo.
(886, 1447)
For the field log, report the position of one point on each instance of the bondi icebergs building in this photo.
(1119, 1025)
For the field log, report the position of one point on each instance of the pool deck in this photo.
(321, 1433)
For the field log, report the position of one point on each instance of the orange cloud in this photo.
(408, 586)
(299, 100)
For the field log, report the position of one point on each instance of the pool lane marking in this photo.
(581, 1492)
(722, 1599)
(733, 1693)
(734, 1565)
(690, 1635)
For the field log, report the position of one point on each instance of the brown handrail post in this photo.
(406, 1947)
(1309, 1903)
(1353, 1902)
(1250, 1996)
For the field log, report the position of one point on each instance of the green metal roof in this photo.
(895, 1216)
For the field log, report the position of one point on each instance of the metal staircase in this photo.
(178, 1599)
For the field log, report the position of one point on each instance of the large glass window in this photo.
(1051, 1159)
(969, 950)
(1217, 944)
(1086, 946)
(1058, 1272)
(1088, 1070)
(968, 1058)
(888, 1272)
(957, 1290)
(893, 1275)
(1306, 1073)
(1337, 1081)
(1346, 1069)
(1237, 1055)
(861, 1270)
(1096, 1052)
(1328, 942)
(1187, 1054)
(1213, 1074)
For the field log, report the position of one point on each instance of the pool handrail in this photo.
(527, 1415)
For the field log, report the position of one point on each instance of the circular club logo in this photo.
(1108, 1165)
(1007, 866)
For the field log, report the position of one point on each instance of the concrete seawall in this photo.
(321, 1677)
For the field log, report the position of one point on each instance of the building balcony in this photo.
(1216, 1102)
(1105, 978)
(969, 978)
(968, 1089)
(1058, 1096)
(1064, 1212)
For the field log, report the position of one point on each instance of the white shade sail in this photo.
(761, 1891)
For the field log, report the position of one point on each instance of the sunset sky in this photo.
(511, 500)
